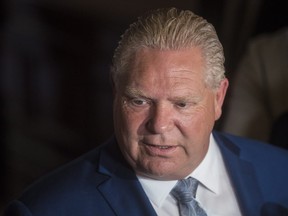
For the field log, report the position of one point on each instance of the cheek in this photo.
(209, 113)
(200, 121)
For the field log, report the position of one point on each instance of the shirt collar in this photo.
(156, 190)
(209, 171)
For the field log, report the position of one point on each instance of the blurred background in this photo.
(55, 96)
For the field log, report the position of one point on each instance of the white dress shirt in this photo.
(215, 193)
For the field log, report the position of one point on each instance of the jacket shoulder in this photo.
(67, 190)
(258, 152)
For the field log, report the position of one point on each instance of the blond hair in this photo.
(171, 29)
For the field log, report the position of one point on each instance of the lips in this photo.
(159, 146)
(159, 150)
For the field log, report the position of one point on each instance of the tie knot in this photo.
(185, 189)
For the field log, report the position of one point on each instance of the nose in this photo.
(160, 119)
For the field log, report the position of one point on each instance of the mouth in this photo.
(159, 146)
(164, 150)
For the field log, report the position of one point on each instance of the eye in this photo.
(138, 102)
(185, 104)
(181, 104)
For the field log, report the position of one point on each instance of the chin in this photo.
(162, 173)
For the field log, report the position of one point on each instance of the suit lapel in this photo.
(122, 190)
(242, 175)
(126, 197)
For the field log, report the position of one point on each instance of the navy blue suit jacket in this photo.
(102, 183)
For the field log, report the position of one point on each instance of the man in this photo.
(169, 87)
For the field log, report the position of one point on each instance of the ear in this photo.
(220, 94)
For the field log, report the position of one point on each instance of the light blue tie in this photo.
(184, 192)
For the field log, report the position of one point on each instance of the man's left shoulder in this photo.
(252, 148)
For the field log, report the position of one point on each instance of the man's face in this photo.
(164, 113)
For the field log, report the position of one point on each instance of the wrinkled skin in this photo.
(164, 113)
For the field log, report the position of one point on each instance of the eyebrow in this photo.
(133, 92)
(130, 91)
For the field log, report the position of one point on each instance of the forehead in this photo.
(159, 64)
(155, 70)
